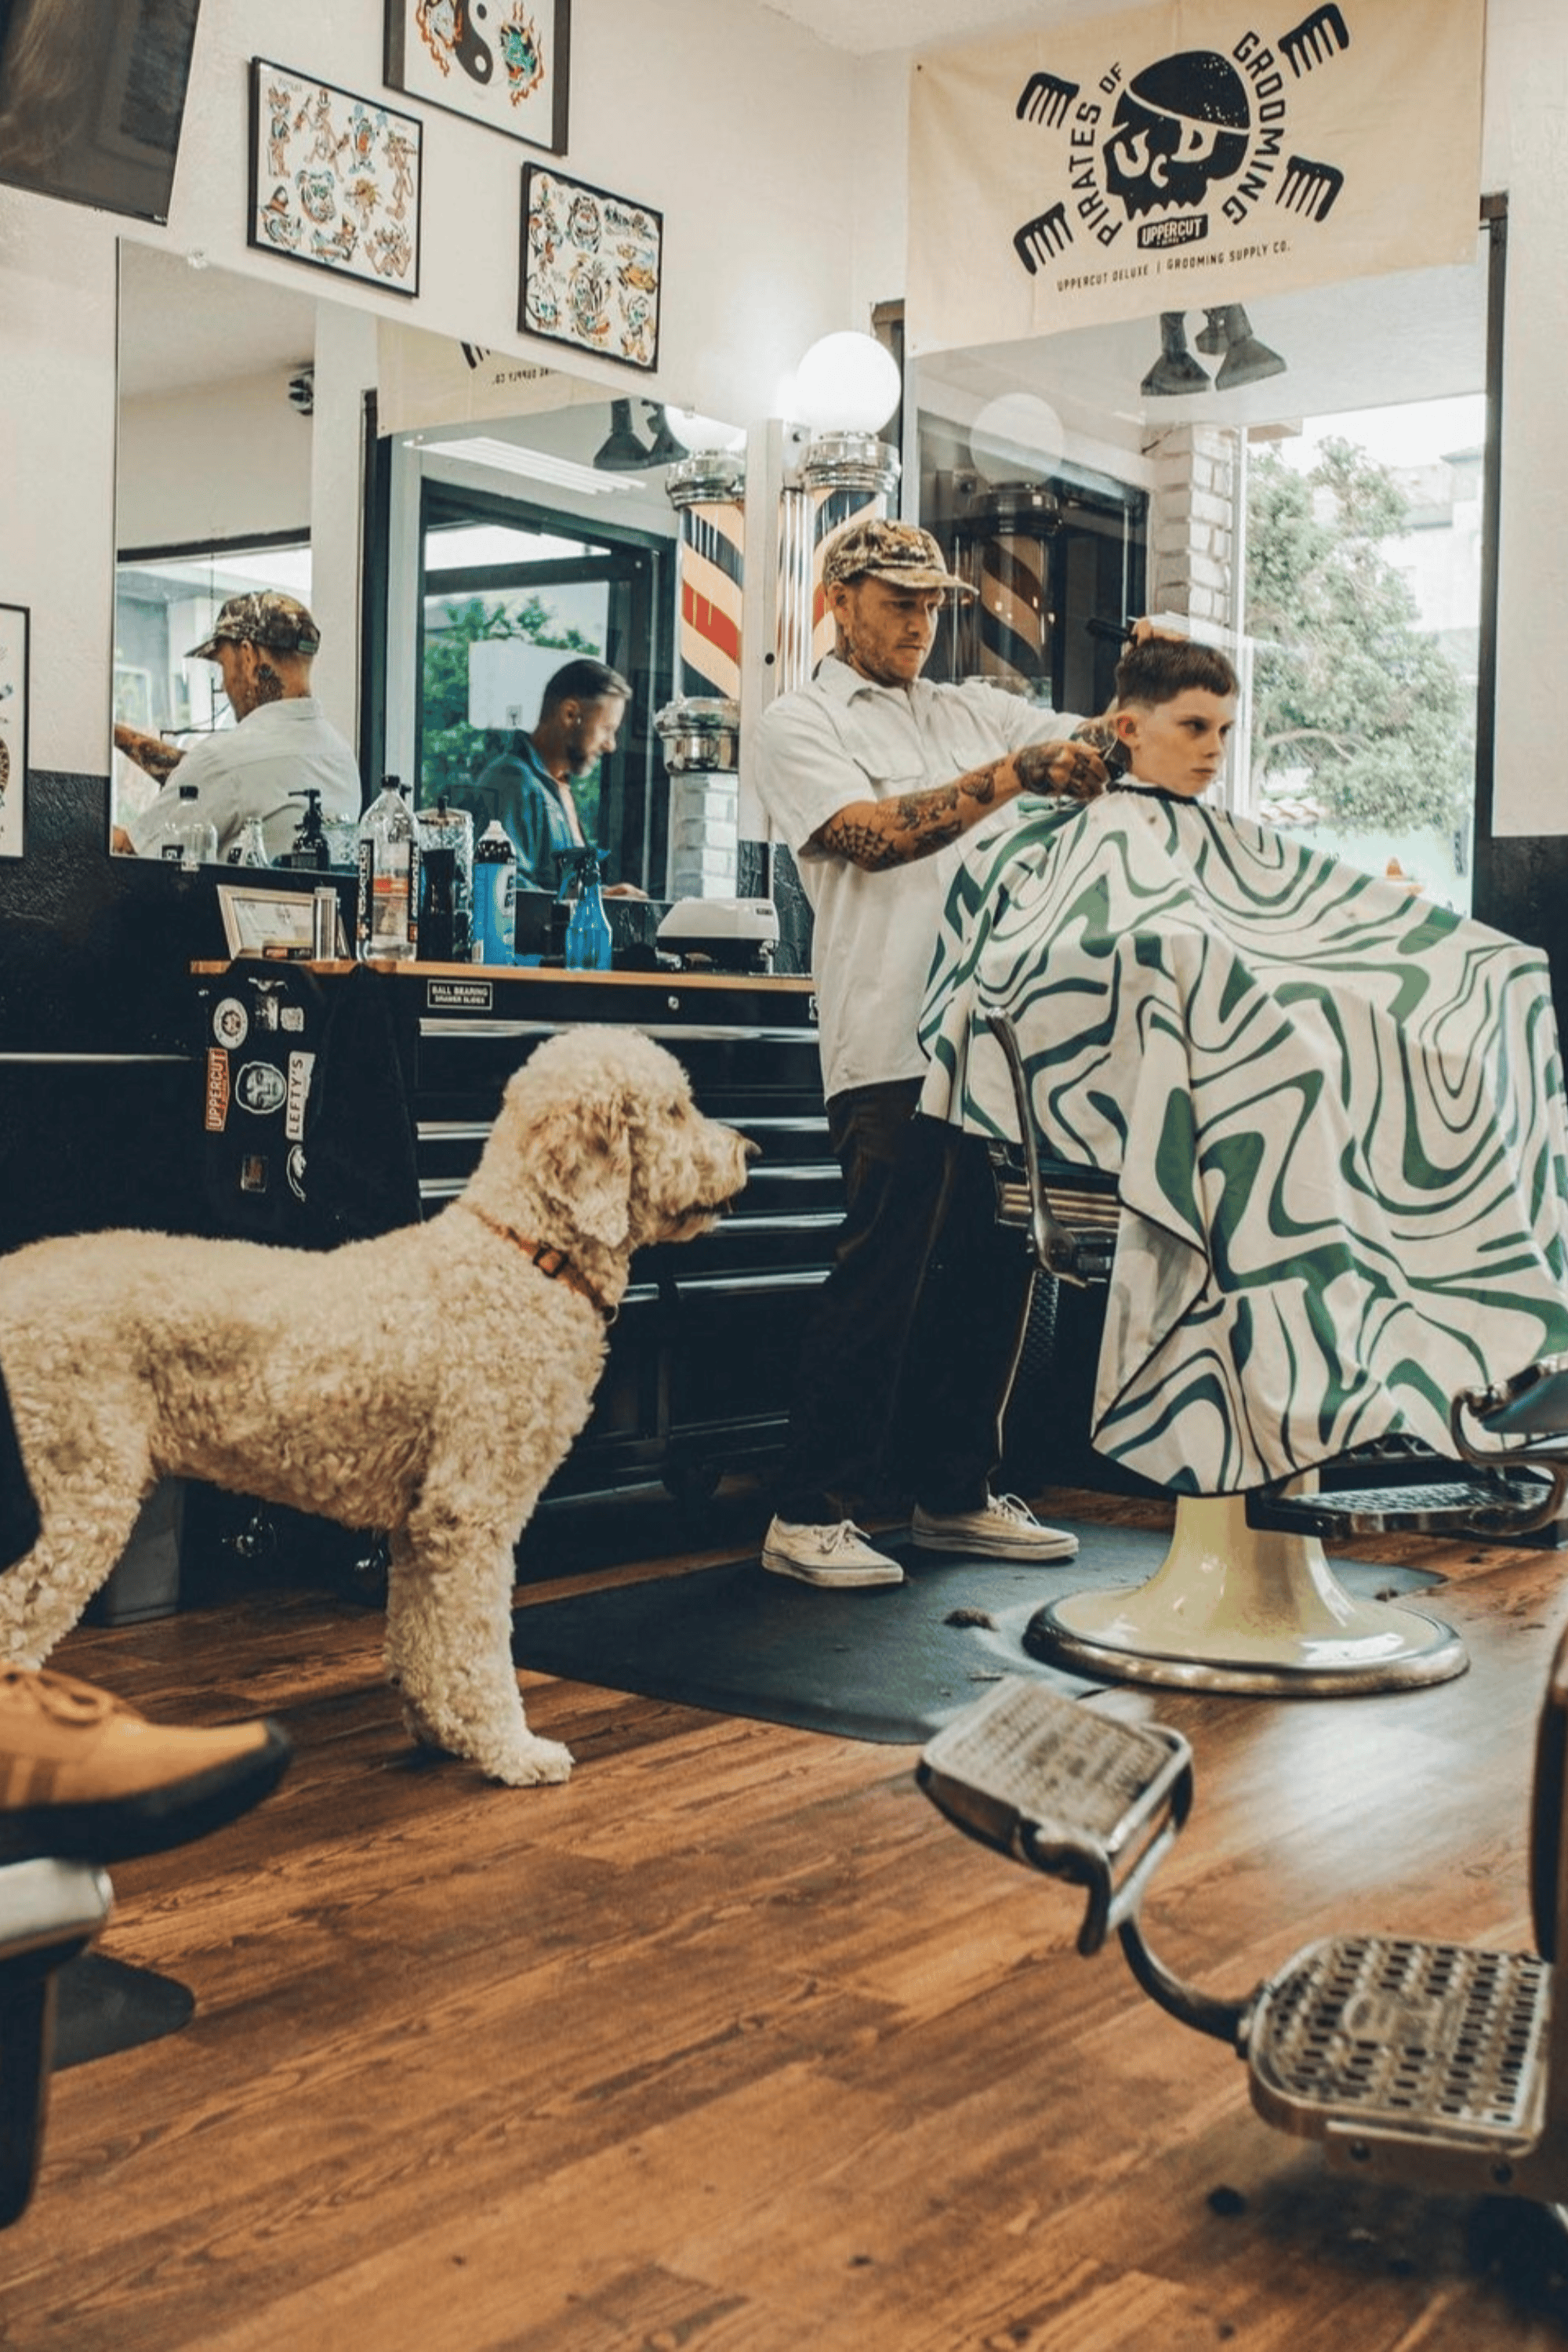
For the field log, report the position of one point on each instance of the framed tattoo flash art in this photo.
(593, 266)
(14, 619)
(334, 179)
(501, 62)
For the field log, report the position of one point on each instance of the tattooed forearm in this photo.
(150, 752)
(875, 834)
(908, 829)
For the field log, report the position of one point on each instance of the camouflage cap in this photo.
(890, 551)
(264, 616)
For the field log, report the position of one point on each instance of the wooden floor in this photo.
(734, 2045)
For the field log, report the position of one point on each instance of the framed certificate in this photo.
(262, 922)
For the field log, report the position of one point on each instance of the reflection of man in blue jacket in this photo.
(529, 785)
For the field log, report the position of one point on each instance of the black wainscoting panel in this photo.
(1521, 887)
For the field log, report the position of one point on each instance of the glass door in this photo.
(509, 593)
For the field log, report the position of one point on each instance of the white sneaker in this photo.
(837, 1555)
(1005, 1530)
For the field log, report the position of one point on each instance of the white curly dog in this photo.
(428, 1382)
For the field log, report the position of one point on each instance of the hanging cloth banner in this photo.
(1177, 156)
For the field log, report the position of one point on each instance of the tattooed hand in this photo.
(1074, 768)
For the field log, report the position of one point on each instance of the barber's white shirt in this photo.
(842, 739)
(260, 768)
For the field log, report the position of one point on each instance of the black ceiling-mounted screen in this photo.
(92, 93)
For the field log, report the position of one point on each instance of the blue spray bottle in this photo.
(588, 941)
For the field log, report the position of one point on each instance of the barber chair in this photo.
(1245, 1601)
(61, 2004)
(49, 1911)
(1440, 2066)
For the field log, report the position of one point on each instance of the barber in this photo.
(283, 745)
(870, 774)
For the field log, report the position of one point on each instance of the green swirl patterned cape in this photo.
(1336, 1113)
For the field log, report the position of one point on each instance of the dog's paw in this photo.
(534, 1762)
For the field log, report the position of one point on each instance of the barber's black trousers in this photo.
(911, 1351)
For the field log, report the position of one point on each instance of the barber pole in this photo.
(847, 479)
(708, 493)
(1004, 552)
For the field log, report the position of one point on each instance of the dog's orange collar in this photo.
(548, 1259)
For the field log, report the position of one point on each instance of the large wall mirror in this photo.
(453, 565)
(1312, 472)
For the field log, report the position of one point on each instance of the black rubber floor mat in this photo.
(890, 1663)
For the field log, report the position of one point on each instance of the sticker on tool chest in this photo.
(231, 1022)
(458, 995)
(216, 1117)
(300, 1068)
(261, 1088)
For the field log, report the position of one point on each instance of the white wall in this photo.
(1525, 153)
(726, 119)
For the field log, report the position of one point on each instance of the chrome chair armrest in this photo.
(1069, 1212)
(1518, 1424)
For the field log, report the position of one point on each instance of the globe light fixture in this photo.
(1015, 436)
(704, 435)
(846, 382)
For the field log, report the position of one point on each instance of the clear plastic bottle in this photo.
(495, 896)
(387, 921)
(250, 849)
(184, 838)
(588, 940)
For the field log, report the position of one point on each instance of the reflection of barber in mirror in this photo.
(869, 775)
(529, 785)
(283, 745)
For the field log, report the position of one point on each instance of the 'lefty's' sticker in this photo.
(300, 1068)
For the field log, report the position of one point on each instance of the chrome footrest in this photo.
(1077, 1794)
(1486, 1501)
(1436, 2043)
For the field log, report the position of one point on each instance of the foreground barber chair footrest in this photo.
(1439, 2064)
(1363, 2038)
(1246, 1611)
